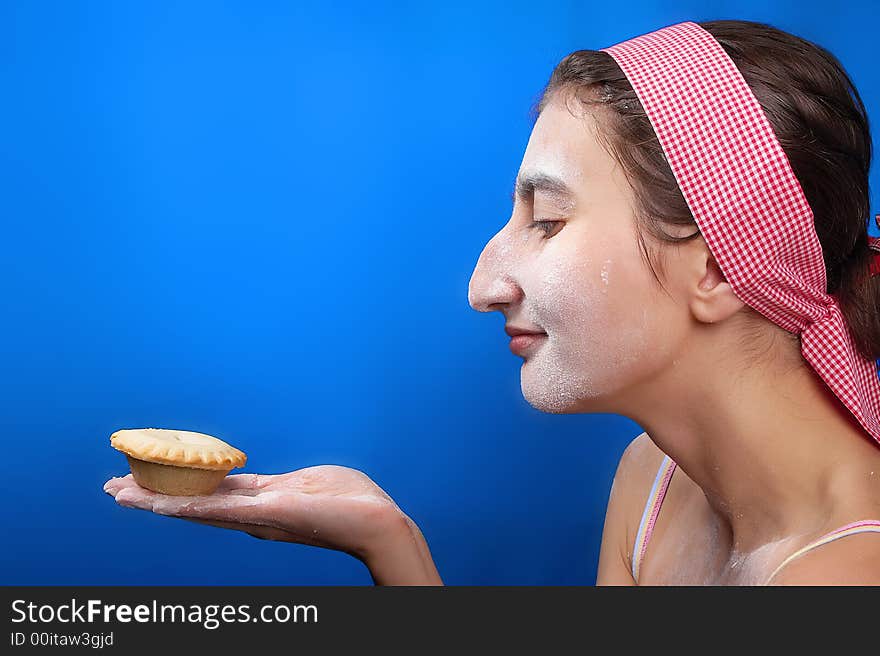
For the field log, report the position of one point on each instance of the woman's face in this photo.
(568, 265)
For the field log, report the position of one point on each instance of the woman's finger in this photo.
(234, 482)
(234, 499)
(259, 509)
(116, 483)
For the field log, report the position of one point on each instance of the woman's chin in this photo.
(562, 395)
(549, 400)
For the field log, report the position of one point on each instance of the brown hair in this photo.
(818, 118)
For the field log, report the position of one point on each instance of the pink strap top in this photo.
(649, 516)
(655, 501)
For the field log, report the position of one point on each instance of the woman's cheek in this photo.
(596, 333)
(565, 293)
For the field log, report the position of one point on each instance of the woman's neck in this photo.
(776, 454)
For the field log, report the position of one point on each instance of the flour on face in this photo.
(589, 344)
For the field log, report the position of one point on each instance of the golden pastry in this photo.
(176, 462)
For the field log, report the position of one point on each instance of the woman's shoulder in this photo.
(638, 467)
(635, 474)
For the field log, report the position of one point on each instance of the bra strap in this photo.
(649, 516)
(863, 526)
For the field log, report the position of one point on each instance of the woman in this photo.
(665, 261)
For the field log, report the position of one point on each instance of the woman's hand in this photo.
(327, 506)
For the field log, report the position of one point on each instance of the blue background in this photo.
(258, 220)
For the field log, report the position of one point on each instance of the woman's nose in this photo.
(491, 284)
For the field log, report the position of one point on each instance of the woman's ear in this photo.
(712, 299)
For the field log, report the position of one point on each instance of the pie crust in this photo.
(176, 462)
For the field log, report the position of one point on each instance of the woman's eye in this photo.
(547, 226)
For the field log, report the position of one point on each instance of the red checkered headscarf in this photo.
(746, 200)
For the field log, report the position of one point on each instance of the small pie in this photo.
(176, 462)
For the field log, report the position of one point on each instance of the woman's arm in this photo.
(637, 464)
(402, 559)
(613, 562)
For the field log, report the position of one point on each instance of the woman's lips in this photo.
(522, 344)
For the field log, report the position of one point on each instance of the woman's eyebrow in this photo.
(529, 182)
